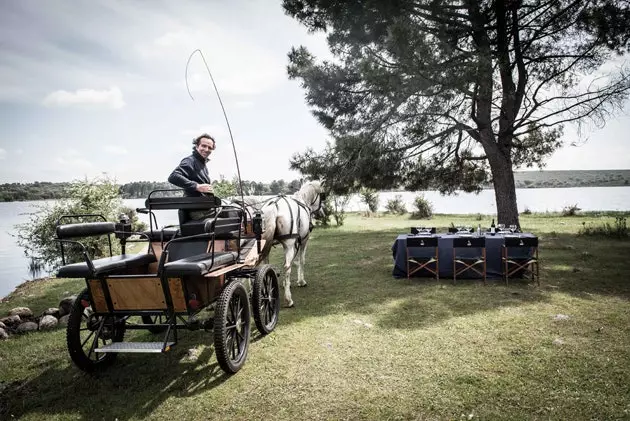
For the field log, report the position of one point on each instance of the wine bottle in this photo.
(493, 228)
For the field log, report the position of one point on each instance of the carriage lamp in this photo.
(123, 230)
(257, 227)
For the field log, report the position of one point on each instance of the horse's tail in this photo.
(269, 213)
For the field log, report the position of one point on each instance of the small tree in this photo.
(99, 196)
(424, 208)
(339, 208)
(370, 198)
(396, 206)
(224, 188)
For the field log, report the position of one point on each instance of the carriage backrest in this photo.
(85, 229)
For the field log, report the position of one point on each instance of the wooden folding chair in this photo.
(525, 259)
(419, 261)
(468, 262)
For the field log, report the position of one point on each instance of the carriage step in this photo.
(135, 347)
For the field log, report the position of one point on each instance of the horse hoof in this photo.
(303, 285)
(290, 305)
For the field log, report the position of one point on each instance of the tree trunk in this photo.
(504, 188)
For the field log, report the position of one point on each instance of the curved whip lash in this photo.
(240, 182)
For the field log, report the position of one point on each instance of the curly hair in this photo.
(204, 136)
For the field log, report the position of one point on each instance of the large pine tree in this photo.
(450, 94)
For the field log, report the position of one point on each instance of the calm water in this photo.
(14, 266)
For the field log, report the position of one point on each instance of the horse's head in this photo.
(313, 195)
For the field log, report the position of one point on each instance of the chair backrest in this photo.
(422, 241)
(521, 242)
(473, 242)
(85, 229)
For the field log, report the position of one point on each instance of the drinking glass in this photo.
(512, 228)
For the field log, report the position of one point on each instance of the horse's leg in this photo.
(289, 255)
(300, 265)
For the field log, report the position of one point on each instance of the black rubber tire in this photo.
(114, 331)
(266, 299)
(232, 327)
(149, 320)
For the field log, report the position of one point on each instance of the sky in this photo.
(97, 87)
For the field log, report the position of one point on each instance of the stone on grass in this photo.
(26, 327)
(2, 326)
(66, 304)
(63, 320)
(48, 322)
(23, 312)
(51, 312)
(558, 342)
(3, 334)
(11, 321)
(561, 317)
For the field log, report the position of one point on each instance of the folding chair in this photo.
(469, 260)
(520, 254)
(419, 261)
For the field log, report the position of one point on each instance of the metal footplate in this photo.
(140, 347)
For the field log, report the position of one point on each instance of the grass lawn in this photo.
(361, 344)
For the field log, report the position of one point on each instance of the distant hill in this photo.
(571, 178)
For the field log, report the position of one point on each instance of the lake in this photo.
(14, 266)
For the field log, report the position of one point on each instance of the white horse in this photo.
(287, 220)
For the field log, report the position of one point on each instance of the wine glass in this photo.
(512, 228)
(500, 227)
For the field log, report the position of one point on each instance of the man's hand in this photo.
(204, 188)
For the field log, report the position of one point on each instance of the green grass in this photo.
(362, 345)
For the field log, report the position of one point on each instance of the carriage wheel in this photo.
(232, 327)
(81, 335)
(151, 320)
(266, 299)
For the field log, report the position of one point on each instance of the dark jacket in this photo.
(189, 173)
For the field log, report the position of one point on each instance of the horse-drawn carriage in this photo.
(208, 264)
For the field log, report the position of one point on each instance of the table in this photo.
(494, 244)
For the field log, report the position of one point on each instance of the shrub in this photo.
(370, 198)
(100, 196)
(424, 208)
(396, 206)
(526, 211)
(570, 210)
(324, 221)
(619, 229)
(339, 208)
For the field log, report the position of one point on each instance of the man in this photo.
(192, 174)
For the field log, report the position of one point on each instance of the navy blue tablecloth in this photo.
(494, 243)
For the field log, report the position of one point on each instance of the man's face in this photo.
(205, 147)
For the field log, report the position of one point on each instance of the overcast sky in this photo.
(97, 86)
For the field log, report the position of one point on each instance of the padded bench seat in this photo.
(106, 265)
(199, 264)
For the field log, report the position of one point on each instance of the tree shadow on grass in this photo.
(132, 387)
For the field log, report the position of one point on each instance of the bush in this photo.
(370, 198)
(101, 196)
(570, 210)
(617, 230)
(396, 206)
(424, 208)
(339, 208)
(526, 211)
(324, 221)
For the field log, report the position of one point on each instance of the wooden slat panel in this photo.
(136, 293)
(177, 294)
(98, 296)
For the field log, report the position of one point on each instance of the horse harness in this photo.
(299, 220)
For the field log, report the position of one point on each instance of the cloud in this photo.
(115, 150)
(73, 159)
(213, 130)
(3, 154)
(110, 98)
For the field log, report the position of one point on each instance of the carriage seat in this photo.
(223, 227)
(156, 235)
(199, 264)
(106, 266)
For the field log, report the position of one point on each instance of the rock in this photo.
(63, 320)
(11, 321)
(26, 327)
(2, 326)
(51, 312)
(558, 342)
(48, 322)
(23, 312)
(561, 317)
(65, 305)
(3, 334)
